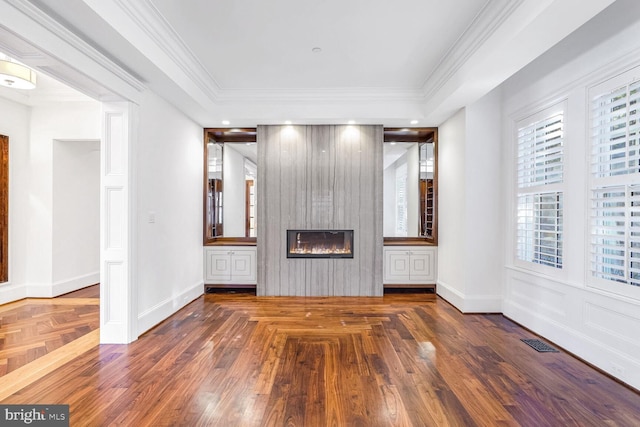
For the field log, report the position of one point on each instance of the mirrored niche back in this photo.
(230, 186)
(410, 186)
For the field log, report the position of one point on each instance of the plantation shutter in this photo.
(540, 199)
(615, 193)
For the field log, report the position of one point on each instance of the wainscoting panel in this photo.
(600, 328)
(319, 177)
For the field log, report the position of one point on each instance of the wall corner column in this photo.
(118, 298)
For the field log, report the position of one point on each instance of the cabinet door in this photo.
(217, 266)
(243, 266)
(422, 266)
(396, 266)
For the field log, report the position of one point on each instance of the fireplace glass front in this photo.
(319, 243)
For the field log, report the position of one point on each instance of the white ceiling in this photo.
(365, 43)
(251, 61)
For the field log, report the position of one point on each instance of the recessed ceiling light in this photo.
(316, 50)
(226, 122)
(351, 122)
(287, 122)
(414, 122)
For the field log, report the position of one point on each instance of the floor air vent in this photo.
(539, 346)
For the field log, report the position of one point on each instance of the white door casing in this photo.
(118, 315)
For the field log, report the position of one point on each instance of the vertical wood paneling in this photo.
(4, 208)
(320, 177)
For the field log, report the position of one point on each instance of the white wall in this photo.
(470, 226)
(14, 123)
(169, 188)
(76, 214)
(598, 326)
(61, 121)
(484, 226)
(452, 235)
(32, 131)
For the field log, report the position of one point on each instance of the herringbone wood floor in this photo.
(32, 328)
(405, 360)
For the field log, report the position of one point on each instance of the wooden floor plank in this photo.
(35, 327)
(29, 373)
(242, 360)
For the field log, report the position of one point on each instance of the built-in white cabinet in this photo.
(410, 265)
(230, 265)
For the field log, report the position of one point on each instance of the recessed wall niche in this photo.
(320, 177)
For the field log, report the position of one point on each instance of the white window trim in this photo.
(603, 87)
(559, 106)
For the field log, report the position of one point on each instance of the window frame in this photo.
(538, 188)
(622, 182)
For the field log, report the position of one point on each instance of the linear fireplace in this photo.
(319, 243)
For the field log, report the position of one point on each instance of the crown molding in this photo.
(64, 34)
(483, 26)
(151, 21)
(20, 54)
(328, 95)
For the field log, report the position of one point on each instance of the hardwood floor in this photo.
(401, 360)
(39, 334)
(34, 327)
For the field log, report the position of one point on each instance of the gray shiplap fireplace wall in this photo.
(320, 177)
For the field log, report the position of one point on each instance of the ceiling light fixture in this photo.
(414, 122)
(226, 122)
(316, 50)
(351, 122)
(17, 76)
(287, 122)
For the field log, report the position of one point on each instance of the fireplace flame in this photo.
(320, 243)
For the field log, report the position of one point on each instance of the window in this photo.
(540, 196)
(615, 185)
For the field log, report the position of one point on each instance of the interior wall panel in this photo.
(320, 177)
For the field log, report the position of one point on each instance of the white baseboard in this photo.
(469, 303)
(449, 293)
(75, 283)
(47, 290)
(39, 290)
(593, 351)
(10, 292)
(156, 314)
(482, 304)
